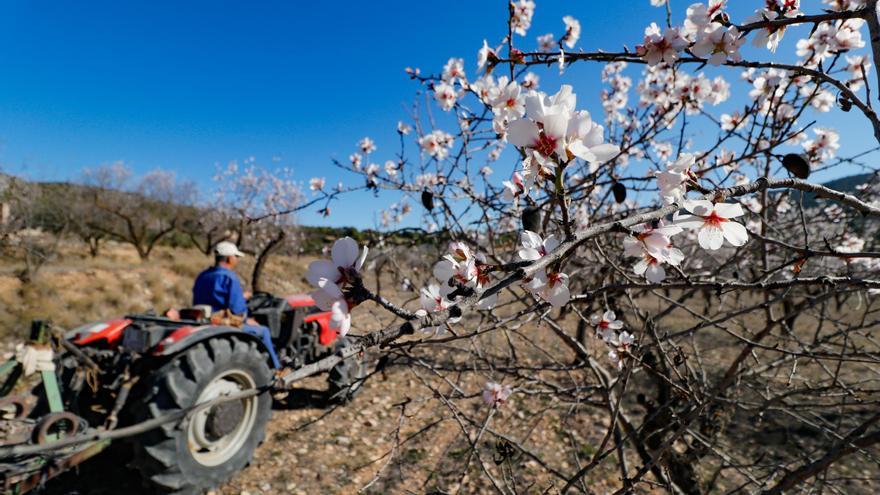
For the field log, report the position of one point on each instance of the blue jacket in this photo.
(220, 288)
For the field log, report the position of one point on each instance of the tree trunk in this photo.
(262, 257)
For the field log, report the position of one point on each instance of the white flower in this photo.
(521, 20)
(446, 95)
(437, 143)
(345, 261)
(484, 54)
(659, 47)
(824, 146)
(367, 145)
(712, 221)
(454, 70)
(776, 9)
(605, 321)
(554, 131)
(496, 394)
(731, 122)
(316, 183)
(700, 16)
(403, 128)
(391, 168)
(508, 103)
(672, 182)
(572, 31)
(653, 247)
(546, 43)
(355, 159)
(720, 43)
(551, 287)
(530, 81)
(329, 297)
(533, 247)
(461, 266)
(513, 188)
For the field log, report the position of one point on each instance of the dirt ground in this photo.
(364, 446)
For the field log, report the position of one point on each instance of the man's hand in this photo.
(248, 294)
(251, 321)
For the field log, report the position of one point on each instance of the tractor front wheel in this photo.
(345, 379)
(214, 443)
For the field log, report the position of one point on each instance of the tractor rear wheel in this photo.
(345, 379)
(216, 442)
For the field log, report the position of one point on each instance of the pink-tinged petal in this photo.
(711, 238)
(718, 59)
(735, 233)
(322, 269)
(522, 133)
(344, 252)
(363, 257)
(668, 230)
(530, 240)
(534, 106)
(604, 152)
(529, 254)
(609, 316)
(559, 296)
(655, 273)
(615, 324)
(578, 149)
(699, 207)
(551, 243)
(689, 222)
(728, 210)
(444, 270)
(640, 267)
(555, 126)
(674, 256)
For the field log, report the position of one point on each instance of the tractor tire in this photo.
(215, 443)
(346, 378)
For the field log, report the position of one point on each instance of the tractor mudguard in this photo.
(185, 337)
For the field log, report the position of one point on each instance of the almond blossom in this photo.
(437, 143)
(546, 43)
(552, 287)
(824, 146)
(316, 183)
(572, 31)
(514, 187)
(661, 47)
(533, 247)
(521, 21)
(712, 223)
(775, 9)
(673, 181)
(345, 261)
(446, 95)
(454, 70)
(700, 17)
(553, 131)
(653, 247)
(720, 43)
(496, 394)
(367, 146)
(605, 321)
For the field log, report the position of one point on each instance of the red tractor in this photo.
(141, 367)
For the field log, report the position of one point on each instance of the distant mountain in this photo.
(846, 184)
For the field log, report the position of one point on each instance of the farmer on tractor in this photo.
(219, 288)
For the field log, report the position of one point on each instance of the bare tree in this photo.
(138, 211)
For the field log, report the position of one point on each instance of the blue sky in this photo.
(187, 85)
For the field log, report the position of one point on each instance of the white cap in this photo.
(227, 248)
